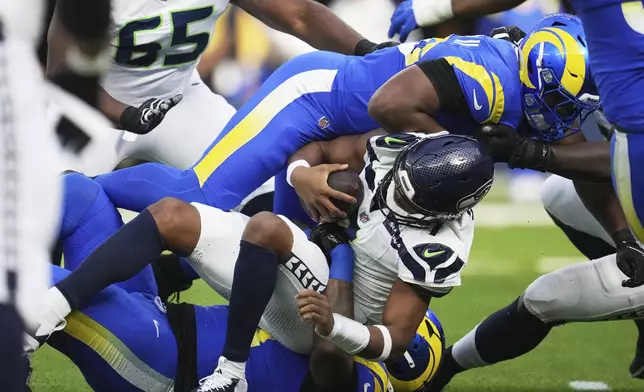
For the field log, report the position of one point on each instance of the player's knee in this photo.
(80, 193)
(553, 193)
(179, 224)
(550, 297)
(270, 232)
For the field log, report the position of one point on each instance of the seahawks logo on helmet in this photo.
(473, 199)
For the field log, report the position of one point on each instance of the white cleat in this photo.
(226, 378)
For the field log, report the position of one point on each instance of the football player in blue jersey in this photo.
(457, 83)
(615, 63)
(126, 339)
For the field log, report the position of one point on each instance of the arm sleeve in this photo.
(445, 82)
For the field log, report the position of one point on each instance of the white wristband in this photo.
(386, 343)
(431, 12)
(293, 166)
(348, 334)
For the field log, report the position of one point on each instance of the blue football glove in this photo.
(403, 21)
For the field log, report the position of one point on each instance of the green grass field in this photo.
(503, 262)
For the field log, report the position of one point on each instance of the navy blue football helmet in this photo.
(438, 177)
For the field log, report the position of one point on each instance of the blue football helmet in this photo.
(558, 89)
(438, 177)
(419, 364)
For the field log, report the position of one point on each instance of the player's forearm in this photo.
(86, 21)
(111, 108)
(482, 7)
(330, 365)
(321, 28)
(306, 19)
(601, 201)
(589, 162)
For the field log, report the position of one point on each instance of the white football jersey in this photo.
(386, 251)
(156, 45)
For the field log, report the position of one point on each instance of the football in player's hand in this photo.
(347, 182)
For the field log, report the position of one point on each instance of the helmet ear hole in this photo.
(581, 40)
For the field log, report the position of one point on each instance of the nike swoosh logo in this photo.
(389, 139)
(366, 387)
(476, 101)
(428, 254)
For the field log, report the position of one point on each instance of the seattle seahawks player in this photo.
(429, 184)
(126, 339)
(155, 48)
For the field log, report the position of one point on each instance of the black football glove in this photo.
(327, 236)
(504, 144)
(630, 258)
(364, 47)
(509, 33)
(146, 117)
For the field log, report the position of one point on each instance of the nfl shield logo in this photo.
(364, 217)
(323, 122)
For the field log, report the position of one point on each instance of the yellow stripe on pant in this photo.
(261, 115)
(622, 180)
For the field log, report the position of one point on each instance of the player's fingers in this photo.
(313, 318)
(310, 308)
(323, 212)
(330, 192)
(334, 167)
(406, 30)
(320, 302)
(332, 209)
(306, 293)
(175, 100)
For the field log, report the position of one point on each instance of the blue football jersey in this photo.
(615, 33)
(487, 70)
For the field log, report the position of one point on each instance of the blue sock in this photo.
(138, 187)
(509, 333)
(253, 285)
(119, 258)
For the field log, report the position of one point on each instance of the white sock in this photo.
(465, 353)
(236, 368)
(55, 309)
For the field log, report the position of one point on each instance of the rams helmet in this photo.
(557, 85)
(419, 364)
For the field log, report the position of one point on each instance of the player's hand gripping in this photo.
(314, 308)
(504, 144)
(630, 258)
(311, 185)
(328, 236)
(146, 117)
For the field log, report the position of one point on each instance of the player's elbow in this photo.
(385, 110)
(330, 366)
(400, 340)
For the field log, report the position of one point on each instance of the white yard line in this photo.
(552, 263)
(589, 386)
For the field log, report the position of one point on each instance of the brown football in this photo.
(347, 182)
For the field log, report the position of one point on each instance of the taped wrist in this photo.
(445, 82)
(530, 154)
(348, 334)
